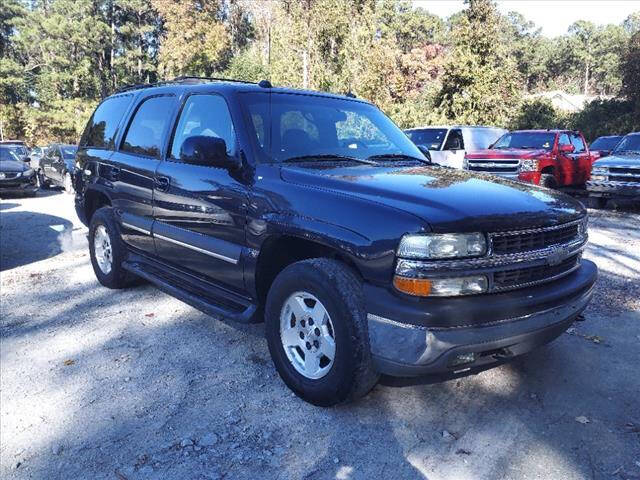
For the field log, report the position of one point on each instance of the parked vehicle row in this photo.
(314, 212)
(53, 165)
(617, 176)
(551, 158)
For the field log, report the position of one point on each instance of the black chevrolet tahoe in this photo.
(314, 212)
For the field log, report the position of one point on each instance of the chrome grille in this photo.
(624, 174)
(8, 175)
(508, 279)
(495, 166)
(526, 241)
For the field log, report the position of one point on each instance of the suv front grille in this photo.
(624, 174)
(496, 166)
(517, 242)
(507, 279)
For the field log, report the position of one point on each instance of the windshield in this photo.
(431, 138)
(480, 138)
(605, 143)
(526, 140)
(69, 153)
(630, 143)
(6, 153)
(18, 149)
(289, 126)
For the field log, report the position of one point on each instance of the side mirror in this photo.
(208, 152)
(566, 148)
(425, 151)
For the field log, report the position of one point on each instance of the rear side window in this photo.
(564, 139)
(103, 126)
(454, 141)
(145, 132)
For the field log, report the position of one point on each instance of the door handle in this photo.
(162, 183)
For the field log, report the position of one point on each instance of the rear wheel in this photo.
(107, 250)
(316, 328)
(548, 180)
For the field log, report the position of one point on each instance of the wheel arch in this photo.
(93, 200)
(281, 250)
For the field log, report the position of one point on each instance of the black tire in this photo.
(340, 290)
(601, 202)
(117, 277)
(548, 180)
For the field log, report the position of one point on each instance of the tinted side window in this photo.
(578, 144)
(206, 115)
(103, 125)
(144, 135)
(454, 141)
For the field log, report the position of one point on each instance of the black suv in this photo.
(316, 213)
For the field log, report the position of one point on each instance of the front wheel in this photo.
(106, 249)
(316, 328)
(549, 181)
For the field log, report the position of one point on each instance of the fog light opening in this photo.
(463, 359)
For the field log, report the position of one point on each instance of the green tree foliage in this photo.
(480, 84)
(58, 58)
(537, 113)
(606, 117)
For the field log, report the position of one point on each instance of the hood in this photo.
(12, 166)
(447, 199)
(507, 154)
(619, 160)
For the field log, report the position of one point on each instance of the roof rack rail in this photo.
(181, 79)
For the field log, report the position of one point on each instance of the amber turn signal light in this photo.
(419, 287)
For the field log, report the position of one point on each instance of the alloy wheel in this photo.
(102, 249)
(307, 335)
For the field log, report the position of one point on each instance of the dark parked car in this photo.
(316, 213)
(603, 146)
(15, 176)
(18, 147)
(57, 167)
(618, 175)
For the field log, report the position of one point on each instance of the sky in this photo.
(554, 16)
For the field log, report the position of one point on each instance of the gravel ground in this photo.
(132, 384)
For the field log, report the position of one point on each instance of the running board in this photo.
(204, 296)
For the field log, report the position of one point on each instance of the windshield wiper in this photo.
(393, 156)
(327, 156)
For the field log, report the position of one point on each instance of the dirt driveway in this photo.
(101, 384)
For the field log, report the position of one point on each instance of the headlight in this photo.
(441, 287)
(442, 245)
(598, 177)
(529, 165)
(599, 170)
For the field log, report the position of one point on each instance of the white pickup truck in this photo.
(447, 145)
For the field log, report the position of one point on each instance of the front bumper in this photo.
(428, 336)
(18, 186)
(610, 189)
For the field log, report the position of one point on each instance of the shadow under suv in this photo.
(316, 213)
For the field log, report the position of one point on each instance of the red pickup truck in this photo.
(552, 158)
